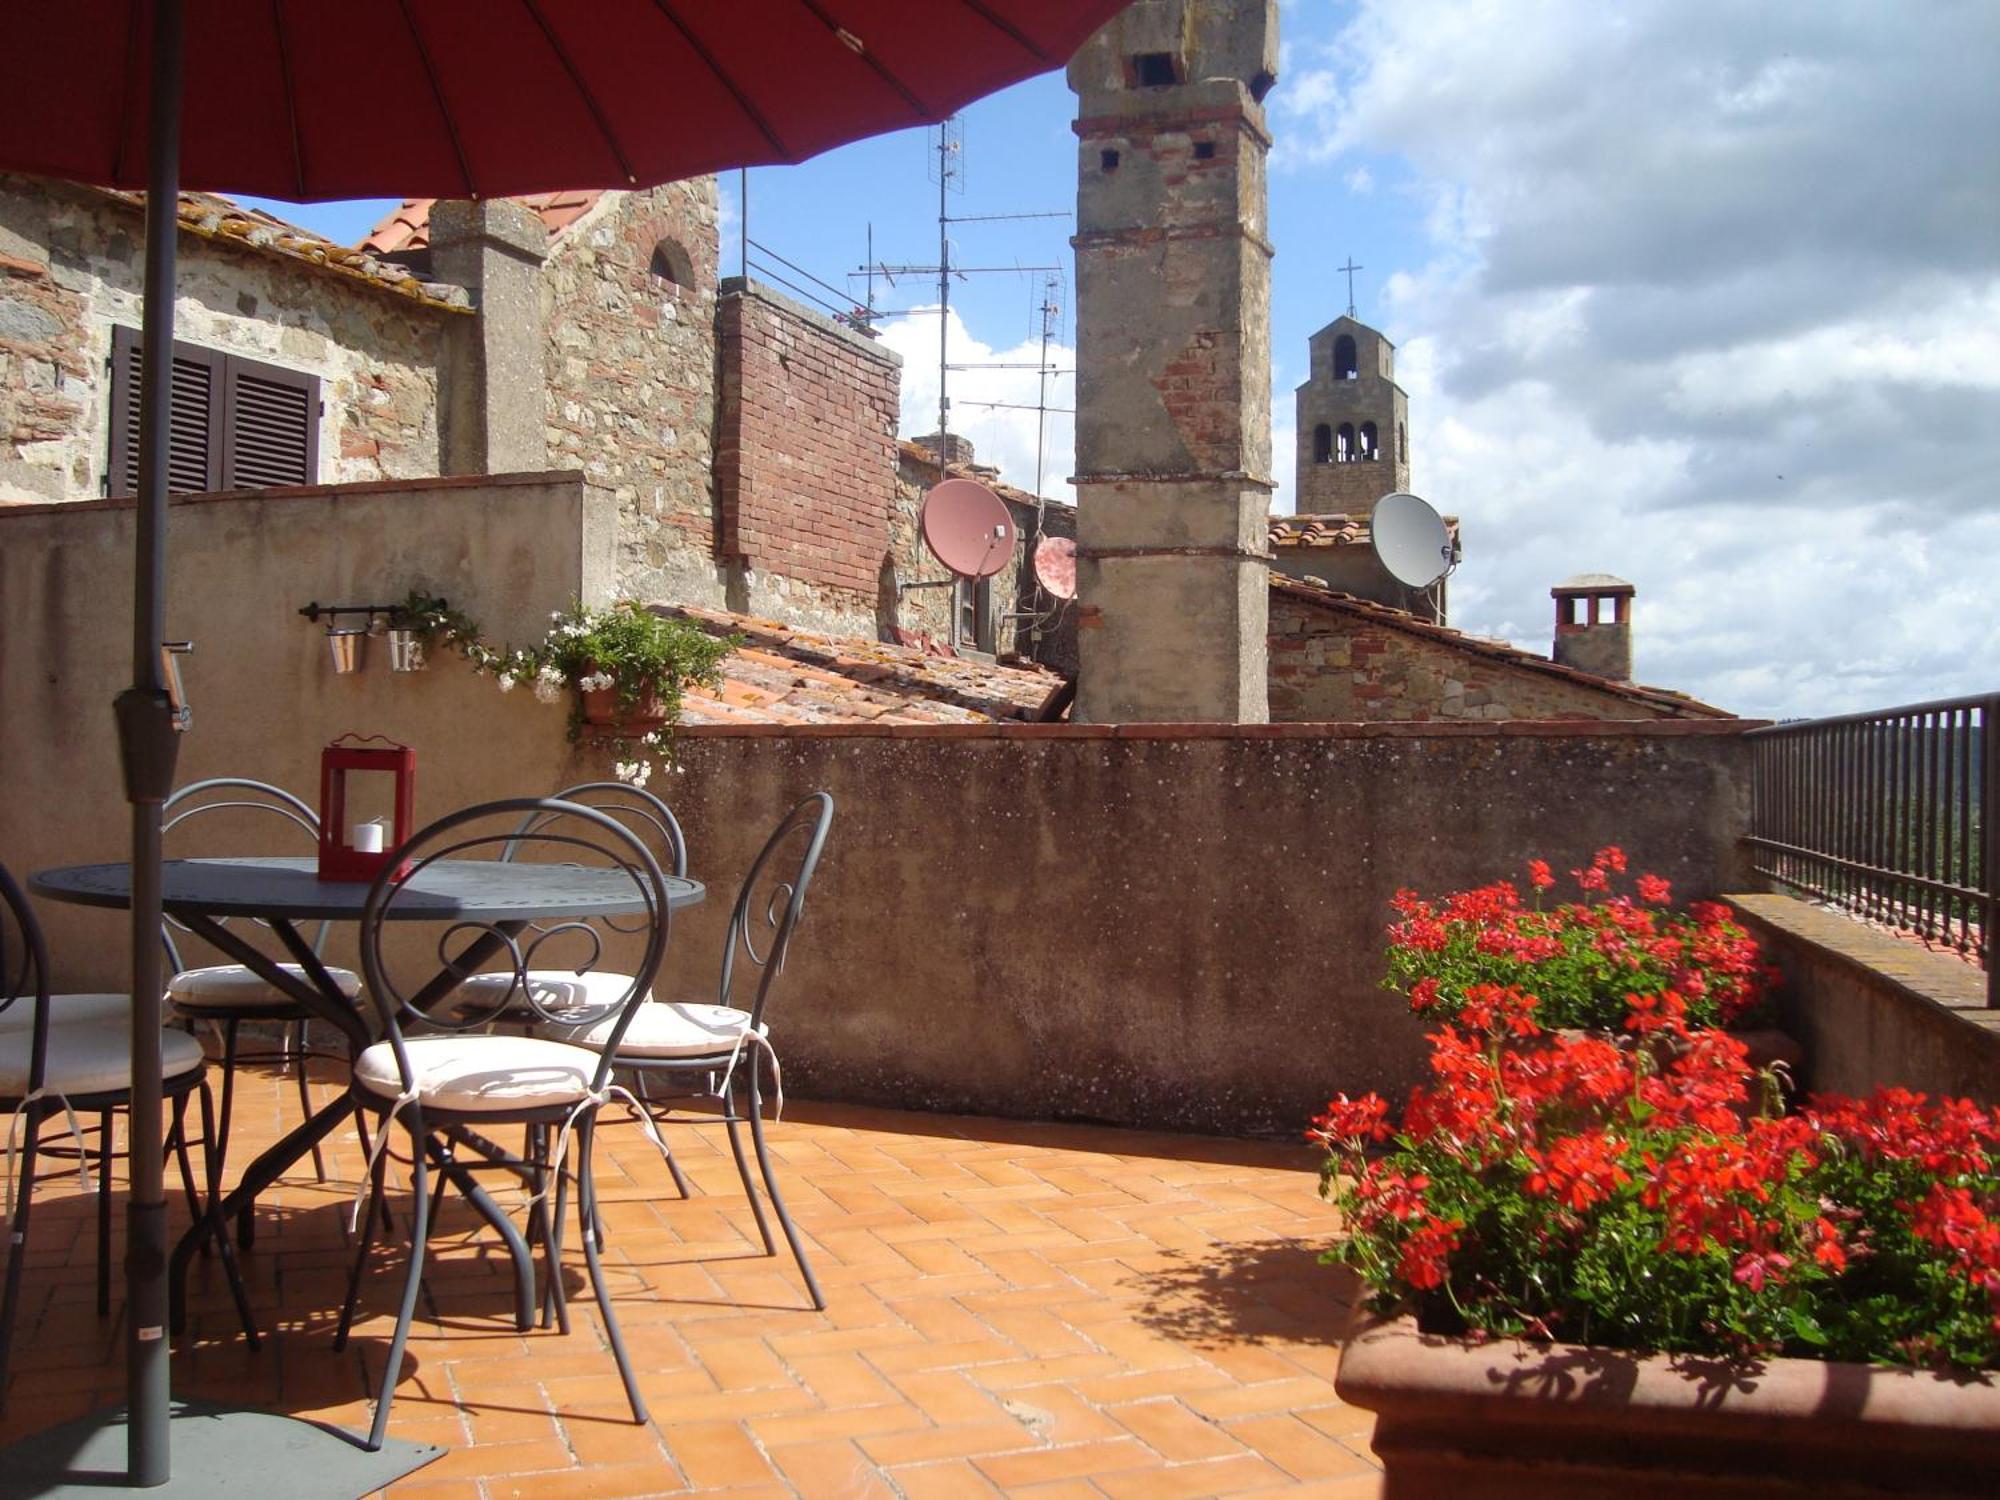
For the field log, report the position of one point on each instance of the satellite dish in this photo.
(967, 527)
(1410, 539)
(1055, 566)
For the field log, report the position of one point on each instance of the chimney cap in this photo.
(1592, 583)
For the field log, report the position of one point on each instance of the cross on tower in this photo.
(1350, 268)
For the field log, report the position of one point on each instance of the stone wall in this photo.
(805, 464)
(72, 267)
(1329, 664)
(1874, 1010)
(631, 377)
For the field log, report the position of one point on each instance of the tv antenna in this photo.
(1413, 544)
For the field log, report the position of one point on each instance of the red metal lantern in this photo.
(339, 856)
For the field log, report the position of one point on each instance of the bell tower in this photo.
(1173, 424)
(1353, 423)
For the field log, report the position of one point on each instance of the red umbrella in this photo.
(309, 99)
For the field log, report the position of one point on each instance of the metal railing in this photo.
(1886, 815)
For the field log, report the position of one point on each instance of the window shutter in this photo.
(194, 437)
(270, 427)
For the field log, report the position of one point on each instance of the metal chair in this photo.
(227, 995)
(456, 1078)
(60, 1054)
(723, 1046)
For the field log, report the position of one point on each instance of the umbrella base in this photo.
(217, 1451)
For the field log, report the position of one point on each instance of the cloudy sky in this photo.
(1703, 294)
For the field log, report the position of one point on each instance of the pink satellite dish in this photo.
(967, 527)
(1055, 566)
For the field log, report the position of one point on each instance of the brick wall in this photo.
(805, 461)
(631, 376)
(1327, 665)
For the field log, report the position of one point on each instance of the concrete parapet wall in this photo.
(1873, 1010)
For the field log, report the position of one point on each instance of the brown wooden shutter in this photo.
(270, 426)
(194, 440)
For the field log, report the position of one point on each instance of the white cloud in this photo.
(1712, 302)
(1001, 434)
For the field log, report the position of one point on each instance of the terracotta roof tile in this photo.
(1333, 530)
(214, 217)
(1676, 705)
(781, 675)
(409, 227)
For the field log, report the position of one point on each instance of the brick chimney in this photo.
(1173, 425)
(492, 388)
(1594, 625)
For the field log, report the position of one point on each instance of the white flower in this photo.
(548, 685)
(595, 682)
(506, 681)
(633, 772)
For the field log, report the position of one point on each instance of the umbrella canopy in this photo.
(315, 99)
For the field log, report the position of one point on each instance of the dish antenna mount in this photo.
(967, 527)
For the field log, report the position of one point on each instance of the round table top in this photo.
(290, 889)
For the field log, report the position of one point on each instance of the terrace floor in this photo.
(1018, 1309)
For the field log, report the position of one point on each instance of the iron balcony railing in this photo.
(1885, 815)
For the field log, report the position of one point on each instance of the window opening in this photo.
(1343, 446)
(1345, 366)
(1109, 161)
(1322, 444)
(1368, 453)
(1152, 70)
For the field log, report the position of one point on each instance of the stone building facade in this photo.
(1340, 658)
(1352, 423)
(1173, 426)
(72, 273)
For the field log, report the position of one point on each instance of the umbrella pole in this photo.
(148, 742)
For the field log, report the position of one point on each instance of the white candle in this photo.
(367, 838)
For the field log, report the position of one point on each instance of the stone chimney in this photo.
(1594, 625)
(1173, 425)
(492, 387)
(957, 450)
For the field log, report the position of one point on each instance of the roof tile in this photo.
(785, 675)
(409, 226)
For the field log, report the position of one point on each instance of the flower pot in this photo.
(1457, 1417)
(603, 713)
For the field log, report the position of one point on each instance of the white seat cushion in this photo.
(484, 1071)
(88, 1058)
(554, 990)
(660, 1029)
(222, 987)
(69, 1010)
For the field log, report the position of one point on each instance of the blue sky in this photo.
(1701, 294)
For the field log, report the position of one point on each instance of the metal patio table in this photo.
(203, 894)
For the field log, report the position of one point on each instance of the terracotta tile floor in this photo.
(1017, 1309)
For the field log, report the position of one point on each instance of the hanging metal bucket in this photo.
(344, 645)
(406, 651)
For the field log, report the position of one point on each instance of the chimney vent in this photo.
(1594, 625)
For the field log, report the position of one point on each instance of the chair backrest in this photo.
(638, 809)
(269, 806)
(24, 969)
(591, 860)
(772, 900)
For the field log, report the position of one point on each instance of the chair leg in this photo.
(586, 1206)
(771, 1183)
(732, 1120)
(218, 1227)
(17, 1242)
(420, 1189)
(369, 1219)
(298, 1047)
(545, 1223)
(180, 1147)
(103, 1212)
(645, 1092)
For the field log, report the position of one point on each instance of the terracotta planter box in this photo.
(602, 714)
(1511, 1419)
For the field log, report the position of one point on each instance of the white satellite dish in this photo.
(1411, 540)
